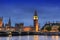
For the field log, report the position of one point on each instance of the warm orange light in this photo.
(0, 28)
(0, 24)
(7, 28)
(36, 27)
(27, 29)
(36, 37)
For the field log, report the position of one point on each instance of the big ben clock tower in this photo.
(36, 28)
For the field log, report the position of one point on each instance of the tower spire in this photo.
(9, 22)
(35, 13)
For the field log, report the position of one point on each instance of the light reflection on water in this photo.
(34, 37)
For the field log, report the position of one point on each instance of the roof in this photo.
(35, 13)
(28, 26)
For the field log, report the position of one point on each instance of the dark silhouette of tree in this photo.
(59, 28)
(48, 28)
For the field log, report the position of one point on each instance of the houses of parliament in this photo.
(20, 26)
(48, 27)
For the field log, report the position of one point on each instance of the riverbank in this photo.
(29, 33)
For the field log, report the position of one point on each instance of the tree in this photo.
(59, 28)
(48, 28)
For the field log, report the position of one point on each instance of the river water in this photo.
(34, 37)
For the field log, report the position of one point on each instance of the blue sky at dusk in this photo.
(23, 11)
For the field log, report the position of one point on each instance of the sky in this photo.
(23, 10)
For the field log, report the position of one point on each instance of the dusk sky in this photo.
(23, 11)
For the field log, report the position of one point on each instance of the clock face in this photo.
(35, 17)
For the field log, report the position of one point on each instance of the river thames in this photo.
(35, 37)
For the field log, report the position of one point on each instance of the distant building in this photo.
(1, 21)
(3, 25)
(9, 22)
(27, 29)
(54, 27)
(36, 25)
(20, 26)
(16, 25)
